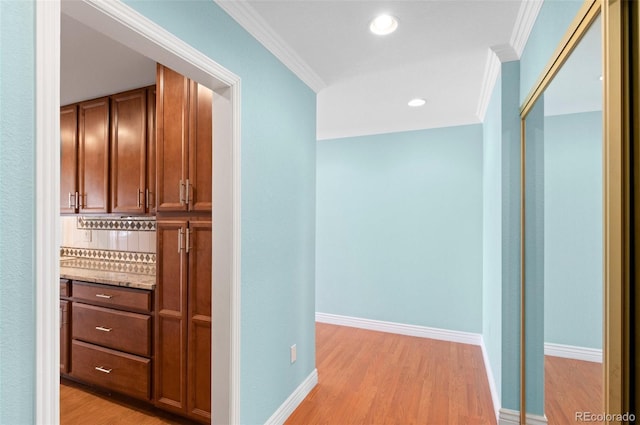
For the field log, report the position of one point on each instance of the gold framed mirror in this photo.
(616, 21)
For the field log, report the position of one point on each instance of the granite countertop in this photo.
(141, 276)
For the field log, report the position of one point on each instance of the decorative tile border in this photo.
(110, 266)
(140, 224)
(109, 255)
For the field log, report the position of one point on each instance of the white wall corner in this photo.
(495, 397)
(294, 400)
(512, 417)
(254, 24)
(527, 15)
(491, 73)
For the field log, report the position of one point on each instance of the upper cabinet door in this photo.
(93, 159)
(172, 112)
(129, 152)
(69, 159)
(150, 197)
(200, 148)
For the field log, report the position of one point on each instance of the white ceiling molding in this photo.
(255, 25)
(527, 15)
(496, 56)
(491, 73)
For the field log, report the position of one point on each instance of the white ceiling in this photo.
(364, 81)
(93, 65)
(440, 52)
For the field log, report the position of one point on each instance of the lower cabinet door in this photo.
(111, 369)
(64, 336)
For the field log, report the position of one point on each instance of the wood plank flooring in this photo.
(572, 386)
(80, 405)
(368, 377)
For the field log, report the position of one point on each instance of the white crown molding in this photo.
(400, 328)
(253, 23)
(573, 352)
(525, 20)
(491, 73)
(293, 401)
(527, 15)
(492, 382)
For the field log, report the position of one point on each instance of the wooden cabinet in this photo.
(111, 343)
(151, 150)
(183, 145)
(108, 155)
(69, 196)
(93, 156)
(183, 318)
(65, 326)
(128, 163)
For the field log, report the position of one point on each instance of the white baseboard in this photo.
(512, 417)
(401, 328)
(573, 352)
(293, 401)
(495, 398)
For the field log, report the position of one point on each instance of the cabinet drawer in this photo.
(121, 372)
(112, 296)
(65, 288)
(120, 330)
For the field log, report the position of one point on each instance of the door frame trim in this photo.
(124, 24)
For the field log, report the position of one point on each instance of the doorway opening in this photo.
(128, 27)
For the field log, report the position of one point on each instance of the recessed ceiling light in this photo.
(417, 102)
(383, 25)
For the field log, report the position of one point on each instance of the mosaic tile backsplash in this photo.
(109, 233)
(107, 260)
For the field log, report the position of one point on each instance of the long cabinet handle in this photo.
(70, 196)
(181, 192)
(146, 198)
(102, 369)
(187, 193)
(104, 296)
(138, 195)
(103, 329)
(77, 203)
(188, 244)
(179, 241)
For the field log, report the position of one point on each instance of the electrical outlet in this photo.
(86, 235)
(294, 354)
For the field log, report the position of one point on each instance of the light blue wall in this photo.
(278, 206)
(511, 267)
(534, 258)
(492, 234)
(17, 200)
(553, 21)
(573, 230)
(399, 227)
(501, 236)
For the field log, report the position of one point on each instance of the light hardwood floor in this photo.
(572, 386)
(80, 405)
(368, 377)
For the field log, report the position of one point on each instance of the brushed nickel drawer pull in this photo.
(70, 198)
(104, 296)
(101, 369)
(103, 329)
